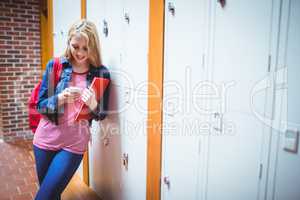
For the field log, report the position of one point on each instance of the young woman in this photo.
(59, 141)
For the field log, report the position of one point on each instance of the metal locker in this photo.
(286, 174)
(97, 13)
(65, 13)
(133, 136)
(134, 65)
(105, 147)
(135, 40)
(239, 59)
(122, 26)
(184, 72)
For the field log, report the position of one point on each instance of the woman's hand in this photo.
(89, 98)
(69, 95)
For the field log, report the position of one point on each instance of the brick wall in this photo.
(19, 64)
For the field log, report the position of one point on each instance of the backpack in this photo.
(33, 115)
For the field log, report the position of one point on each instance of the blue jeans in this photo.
(55, 170)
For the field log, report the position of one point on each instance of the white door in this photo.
(287, 174)
(135, 40)
(105, 146)
(65, 13)
(239, 60)
(184, 69)
(133, 145)
(134, 97)
(123, 30)
(98, 160)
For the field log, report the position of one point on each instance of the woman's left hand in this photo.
(89, 98)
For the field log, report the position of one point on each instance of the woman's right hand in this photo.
(68, 95)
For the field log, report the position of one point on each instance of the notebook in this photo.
(98, 85)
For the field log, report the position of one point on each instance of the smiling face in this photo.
(79, 49)
(83, 44)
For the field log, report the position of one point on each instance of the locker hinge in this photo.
(269, 63)
(125, 161)
(260, 171)
(167, 182)
(199, 147)
(203, 61)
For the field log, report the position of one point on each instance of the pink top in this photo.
(68, 134)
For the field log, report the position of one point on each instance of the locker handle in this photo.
(219, 117)
(222, 2)
(171, 8)
(167, 181)
(127, 18)
(105, 28)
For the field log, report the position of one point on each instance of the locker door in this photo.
(239, 60)
(184, 69)
(65, 13)
(135, 40)
(287, 169)
(97, 13)
(133, 135)
(105, 147)
(98, 161)
(124, 51)
(135, 68)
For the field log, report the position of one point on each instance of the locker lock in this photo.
(127, 18)
(171, 8)
(217, 115)
(167, 182)
(105, 28)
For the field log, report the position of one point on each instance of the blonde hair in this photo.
(88, 30)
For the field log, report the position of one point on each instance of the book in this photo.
(98, 85)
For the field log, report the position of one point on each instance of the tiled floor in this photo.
(18, 179)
